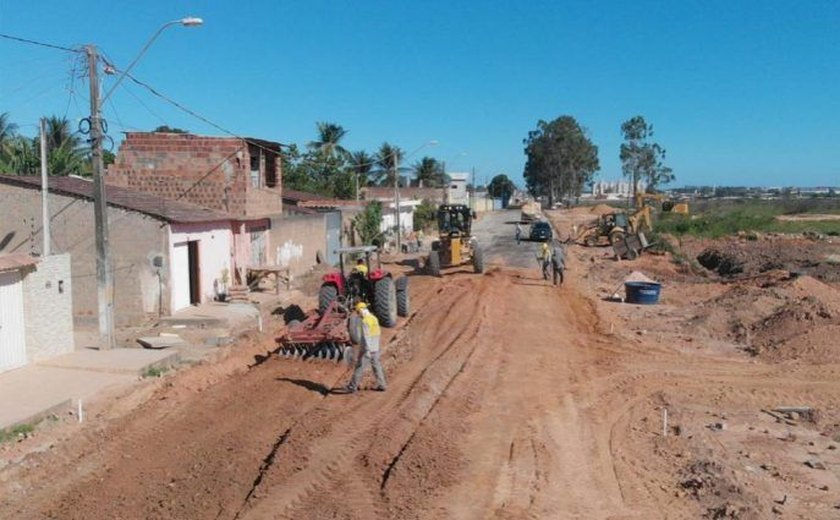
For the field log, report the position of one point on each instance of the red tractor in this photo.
(386, 297)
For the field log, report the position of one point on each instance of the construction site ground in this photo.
(507, 398)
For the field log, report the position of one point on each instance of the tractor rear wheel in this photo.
(478, 259)
(616, 237)
(403, 302)
(385, 302)
(326, 295)
(433, 264)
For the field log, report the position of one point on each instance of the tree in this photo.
(368, 224)
(501, 187)
(329, 140)
(21, 155)
(362, 163)
(387, 160)
(429, 172)
(425, 215)
(164, 129)
(642, 159)
(8, 131)
(560, 158)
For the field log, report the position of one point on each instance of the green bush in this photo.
(425, 215)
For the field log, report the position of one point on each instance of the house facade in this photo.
(166, 255)
(241, 177)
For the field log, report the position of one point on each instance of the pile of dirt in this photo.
(601, 209)
(735, 257)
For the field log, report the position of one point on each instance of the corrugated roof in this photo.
(152, 205)
(15, 261)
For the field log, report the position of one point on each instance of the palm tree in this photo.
(65, 154)
(329, 139)
(387, 159)
(429, 172)
(8, 130)
(361, 163)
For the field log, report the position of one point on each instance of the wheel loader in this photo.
(614, 227)
(455, 244)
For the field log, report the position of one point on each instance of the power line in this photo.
(42, 44)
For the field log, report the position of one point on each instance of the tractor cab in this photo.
(454, 220)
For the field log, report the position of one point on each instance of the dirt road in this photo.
(508, 398)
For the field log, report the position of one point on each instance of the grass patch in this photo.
(710, 220)
(16, 432)
(155, 371)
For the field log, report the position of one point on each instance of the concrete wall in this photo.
(135, 239)
(212, 172)
(295, 241)
(214, 254)
(48, 308)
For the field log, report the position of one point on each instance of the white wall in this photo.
(214, 252)
(48, 304)
(406, 216)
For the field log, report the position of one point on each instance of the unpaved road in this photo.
(506, 400)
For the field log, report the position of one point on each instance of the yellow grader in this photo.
(455, 244)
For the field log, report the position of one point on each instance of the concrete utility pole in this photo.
(397, 199)
(104, 271)
(45, 212)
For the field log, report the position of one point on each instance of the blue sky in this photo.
(739, 93)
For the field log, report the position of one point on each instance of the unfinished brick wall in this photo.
(212, 172)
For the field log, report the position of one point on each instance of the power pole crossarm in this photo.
(104, 272)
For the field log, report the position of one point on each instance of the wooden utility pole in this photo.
(104, 271)
(45, 212)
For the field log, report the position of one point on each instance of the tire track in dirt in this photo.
(346, 437)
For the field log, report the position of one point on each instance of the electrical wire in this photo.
(42, 44)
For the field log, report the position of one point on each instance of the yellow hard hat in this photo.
(361, 305)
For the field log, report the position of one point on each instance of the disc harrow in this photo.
(319, 337)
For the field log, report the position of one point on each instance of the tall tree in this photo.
(501, 187)
(388, 159)
(329, 140)
(642, 159)
(361, 164)
(429, 172)
(560, 158)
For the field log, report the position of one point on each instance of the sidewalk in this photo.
(35, 391)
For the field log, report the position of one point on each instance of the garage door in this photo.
(180, 272)
(12, 344)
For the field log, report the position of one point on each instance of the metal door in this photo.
(180, 276)
(333, 236)
(12, 336)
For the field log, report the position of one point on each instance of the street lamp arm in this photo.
(187, 22)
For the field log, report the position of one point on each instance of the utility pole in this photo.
(45, 211)
(397, 199)
(472, 191)
(104, 272)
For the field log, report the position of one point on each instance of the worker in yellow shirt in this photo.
(370, 351)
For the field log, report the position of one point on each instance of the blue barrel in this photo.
(645, 293)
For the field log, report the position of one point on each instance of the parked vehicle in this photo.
(540, 232)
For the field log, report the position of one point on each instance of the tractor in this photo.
(330, 332)
(615, 227)
(455, 244)
(386, 297)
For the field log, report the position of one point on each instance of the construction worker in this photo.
(544, 258)
(360, 267)
(558, 262)
(370, 351)
(518, 233)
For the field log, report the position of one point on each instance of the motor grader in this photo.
(455, 244)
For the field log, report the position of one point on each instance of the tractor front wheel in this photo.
(385, 302)
(478, 260)
(326, 295)
(433, 263)
(403, 302)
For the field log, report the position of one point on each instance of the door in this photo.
(258, 247)
(12, 336)
(333, 236)
(180, 276)
(195, 272)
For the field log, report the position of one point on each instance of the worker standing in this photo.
(558, 262)
(370, 351)
(518, 233)
(544, 258)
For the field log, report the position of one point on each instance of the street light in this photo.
(104, 271)
(433, 142)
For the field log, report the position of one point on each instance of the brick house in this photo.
(242, 177)
(166, 254)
